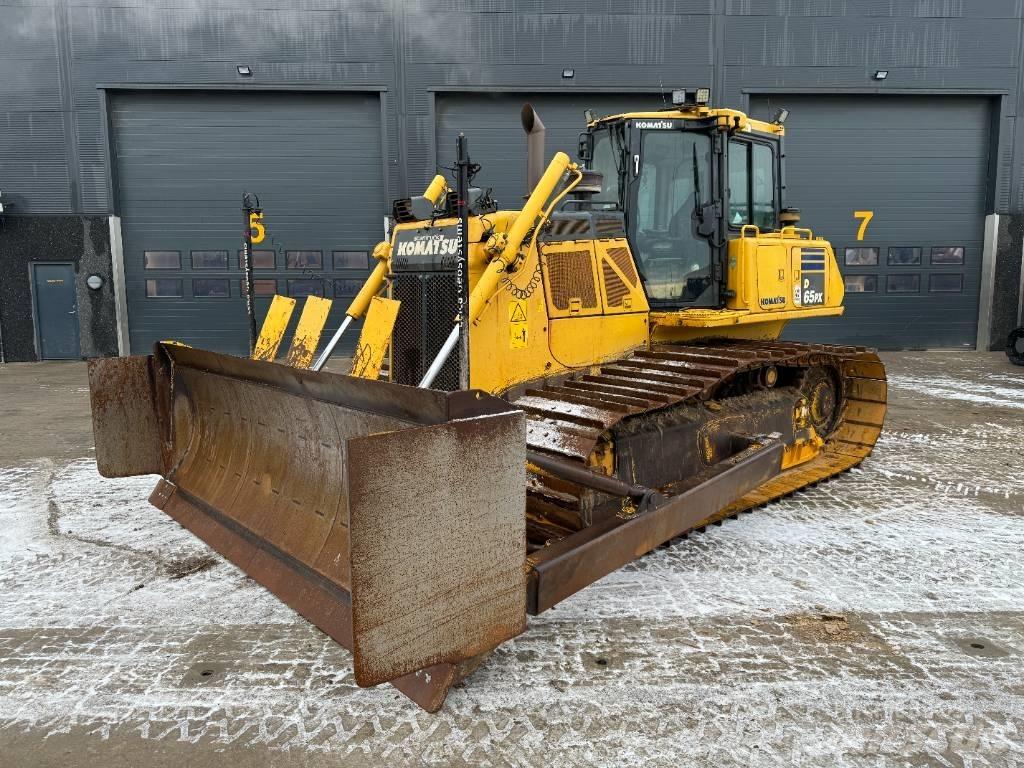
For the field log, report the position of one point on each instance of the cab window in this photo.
(751, 184)
(674, 183)
(606, 162)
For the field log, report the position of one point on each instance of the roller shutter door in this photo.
(182, 160)
(920, 165)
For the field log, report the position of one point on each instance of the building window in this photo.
(260, 287)
(861, 283)
(350, 260)
(299, 288)
(902, 283)
(304, 260)
(945, 283)
(209, 259)
(260, 260)
(947, 254)
(904, 256)
(161, 260)
(346, 287)
(163, 288)
(861, 257)
(211, 287)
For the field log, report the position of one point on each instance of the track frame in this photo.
(573, 418)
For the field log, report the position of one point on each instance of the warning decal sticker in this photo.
(517, 331)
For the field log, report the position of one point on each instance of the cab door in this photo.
(672, 177)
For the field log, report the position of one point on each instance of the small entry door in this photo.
(56, 312)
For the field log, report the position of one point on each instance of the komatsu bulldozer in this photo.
(538, 396)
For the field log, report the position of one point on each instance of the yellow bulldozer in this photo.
(538, 396)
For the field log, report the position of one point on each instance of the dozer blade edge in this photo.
(390, 517)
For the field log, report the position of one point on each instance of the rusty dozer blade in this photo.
(390, 517)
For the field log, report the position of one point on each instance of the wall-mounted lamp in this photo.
(568, 73)
(94, 281)
(244, 70)
(881, 74)
(1, 202)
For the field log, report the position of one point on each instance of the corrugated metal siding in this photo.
(921, 165)
(149, 32)
(994, 9)
(183, 160)
(33, 129)
(743, 46)
(328, 43)
(54, 54)
(33, 167)
(820, 41)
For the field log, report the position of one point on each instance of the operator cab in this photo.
(686, 179)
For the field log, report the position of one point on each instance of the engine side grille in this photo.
(429, 305)
(624, 262)
(583, 225)
(571, 278)
(609, 226)
(565, 228)
(616, 289)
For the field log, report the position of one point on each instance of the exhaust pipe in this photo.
(534, 146)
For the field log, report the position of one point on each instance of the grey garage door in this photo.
(920, 165)
(496, 139)
(182, 161)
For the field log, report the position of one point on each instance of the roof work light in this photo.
(688, 97)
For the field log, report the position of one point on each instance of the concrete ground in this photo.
(874, 620)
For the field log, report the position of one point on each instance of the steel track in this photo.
(572, 417)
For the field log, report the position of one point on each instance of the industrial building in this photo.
(129, 132)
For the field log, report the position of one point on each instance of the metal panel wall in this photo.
(919, 164)
(54, 151)
(183, 160)
(54, 53)
(34, 173)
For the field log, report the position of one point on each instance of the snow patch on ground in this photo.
(951, 388)
(834, 627)
(23, 534)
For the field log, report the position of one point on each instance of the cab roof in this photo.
(727, 118)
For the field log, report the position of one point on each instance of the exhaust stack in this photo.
(534, 146)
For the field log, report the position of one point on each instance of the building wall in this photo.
(82, 240)
(1006, 293)
(59, 58)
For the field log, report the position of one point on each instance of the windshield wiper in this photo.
(705, 227)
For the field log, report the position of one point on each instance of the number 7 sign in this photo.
(865, 217)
